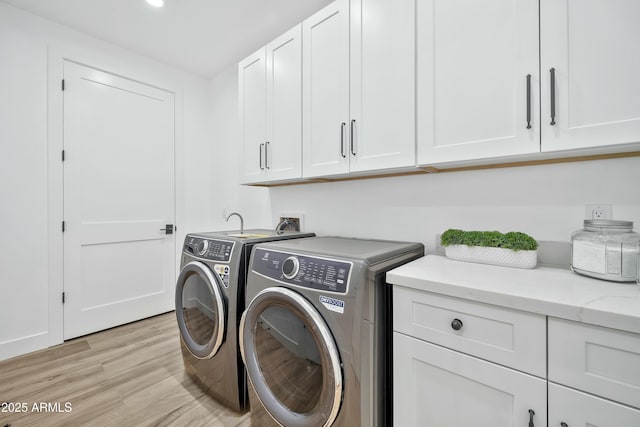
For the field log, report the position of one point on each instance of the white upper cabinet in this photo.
(359, 87)
(382, 84)
(592, 48)
(477, 79)
(325, 58)
(271, 110)
(283, 149)
(252, 112)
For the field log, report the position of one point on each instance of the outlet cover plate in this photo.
(598, 211)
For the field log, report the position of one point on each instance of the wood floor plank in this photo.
(132, 375)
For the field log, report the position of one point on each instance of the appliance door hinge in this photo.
(63, 84)
(63, 226)
(63, 297)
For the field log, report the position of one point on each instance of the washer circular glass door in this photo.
(200, 309)
(291, 359)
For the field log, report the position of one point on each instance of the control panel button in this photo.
(290, 267)
(202, 247)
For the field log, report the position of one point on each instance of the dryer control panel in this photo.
(209, 249)
(325, 274)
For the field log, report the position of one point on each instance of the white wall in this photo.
(546, 201)
(24, 270)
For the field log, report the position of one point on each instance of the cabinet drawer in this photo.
(575, 409)
(435, 386)
(598, 360)
(508, 337)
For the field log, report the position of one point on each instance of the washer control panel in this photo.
(208, 249)
(324, 274)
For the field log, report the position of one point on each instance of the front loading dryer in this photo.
(315, 334)
(210, 298)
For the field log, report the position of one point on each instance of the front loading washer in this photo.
(210, 298)
(315, 336)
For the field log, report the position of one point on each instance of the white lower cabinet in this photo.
(454, 363)
(435, 386)
(571, 408)
(601, 361)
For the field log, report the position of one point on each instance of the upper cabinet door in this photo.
(325, 76)
(475, 99)
(382, 119)
(592, 47)
(283, 146)
(252, 112)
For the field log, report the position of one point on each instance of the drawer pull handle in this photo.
(456, 324)
(563, 424)
(531, 414)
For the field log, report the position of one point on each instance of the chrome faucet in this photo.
(241, 220)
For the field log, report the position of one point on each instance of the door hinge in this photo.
(63, 226)
(62, 84)
(63, 297)
(63, 155)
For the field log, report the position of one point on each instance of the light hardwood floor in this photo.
(131, 375)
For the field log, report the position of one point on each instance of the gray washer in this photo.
(315, 336)
(210, 298)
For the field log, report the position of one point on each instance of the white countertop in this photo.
(548, 291)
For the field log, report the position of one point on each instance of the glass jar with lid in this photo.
(606, 249)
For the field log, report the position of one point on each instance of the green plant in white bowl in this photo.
(513, 249)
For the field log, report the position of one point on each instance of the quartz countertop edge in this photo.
(543, 290)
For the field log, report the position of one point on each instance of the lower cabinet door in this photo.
(435, 386)
(577, 409)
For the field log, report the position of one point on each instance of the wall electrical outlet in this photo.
(600, 211)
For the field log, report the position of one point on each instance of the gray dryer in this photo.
(315, 336)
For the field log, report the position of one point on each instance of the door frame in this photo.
(132, 70)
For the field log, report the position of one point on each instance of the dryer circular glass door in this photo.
(200, 309)
(291, 359)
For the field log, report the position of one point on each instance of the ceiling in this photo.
(199, 36)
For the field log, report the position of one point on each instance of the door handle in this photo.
(266, 154)
(260, 149)
(342, 125)
(552, 95)
(169, 229)
(528, 101)
(351, 137)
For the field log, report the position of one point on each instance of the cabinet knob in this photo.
(456, 324)
(563, 424)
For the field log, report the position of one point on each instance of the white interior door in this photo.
(119, 266)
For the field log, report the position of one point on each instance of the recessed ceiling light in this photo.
(156, 3)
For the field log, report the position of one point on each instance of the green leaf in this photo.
(513, 240)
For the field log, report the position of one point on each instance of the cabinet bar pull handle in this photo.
(353, 125)
(456, 324)
(553, 96)
(528, 101)
(266, 152)
(563, 424)
(342, 125)
(531, 414)
(260, 148)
